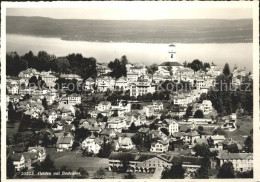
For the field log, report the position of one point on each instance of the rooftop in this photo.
(170, 64)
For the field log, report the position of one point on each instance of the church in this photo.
(171, 64)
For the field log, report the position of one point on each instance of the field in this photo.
(245, 125)
(73, 160)
(10, 131)
(91, 164)
(152, 31)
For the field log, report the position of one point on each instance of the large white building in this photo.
(49, 79)
(241, 161)
(121, 83)
(173, 127)
(207, 106)
(105, 83)
(141, 88)
(74, 99)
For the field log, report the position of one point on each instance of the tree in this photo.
(165, 131)
(75, 145)
(249, 144)
(125, 163)
(199, 114)
(203, 96)
(33, 81)
(47, 165)
(31, 59)
(196, 65)
(100, 173)
(202, 173)
(226, 70)
(233, 148)
(83, 173)
(247, 174)
(106, 149)
(15, 64)
(41, 83)
(43, 61)
(124, 60)
(133, 128)
(115, 114)
(188, 112)
(205, 66)
(81, 134)
(61, 65)
(152, 69)
(226, 171)
(118, 67)
(200, 128)
(45, 140)
(11, 113)
(219, 131)
(44, 103)
(99, 116)
(10, 169)
(211, 143)
(201, 150)
(85, 67)
(105, 118)
(153, 126)
(65, 169)
(185, 64)
(175, 172)
(129, 176)
(137, 139)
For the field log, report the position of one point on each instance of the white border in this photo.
(63, 4)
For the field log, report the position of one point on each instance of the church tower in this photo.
(172, 53)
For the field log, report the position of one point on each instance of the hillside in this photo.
(154, 31)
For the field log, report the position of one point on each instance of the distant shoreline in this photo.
(141, 42)
(152, 31)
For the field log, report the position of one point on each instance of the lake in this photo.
(240, 54)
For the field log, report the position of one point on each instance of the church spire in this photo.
(172, 53)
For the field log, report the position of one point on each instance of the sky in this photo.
(134, 12)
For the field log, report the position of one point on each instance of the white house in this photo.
(18, 161)
(64, 143)
(181, 100)
(74, 99)
(173, 127)
(122, 107)
(132, 77)
(124, 143)
(121, 83)
(158, 105)
(14, 89)
(116, 123)
(49, 80)
(40, 152)
(103, 106)
(160, 146)
(89, 83)
(105, 83)
(241, 161)
(148, 110)
(207, 106)
(71, 77)
(51, 115)
(92, 144)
